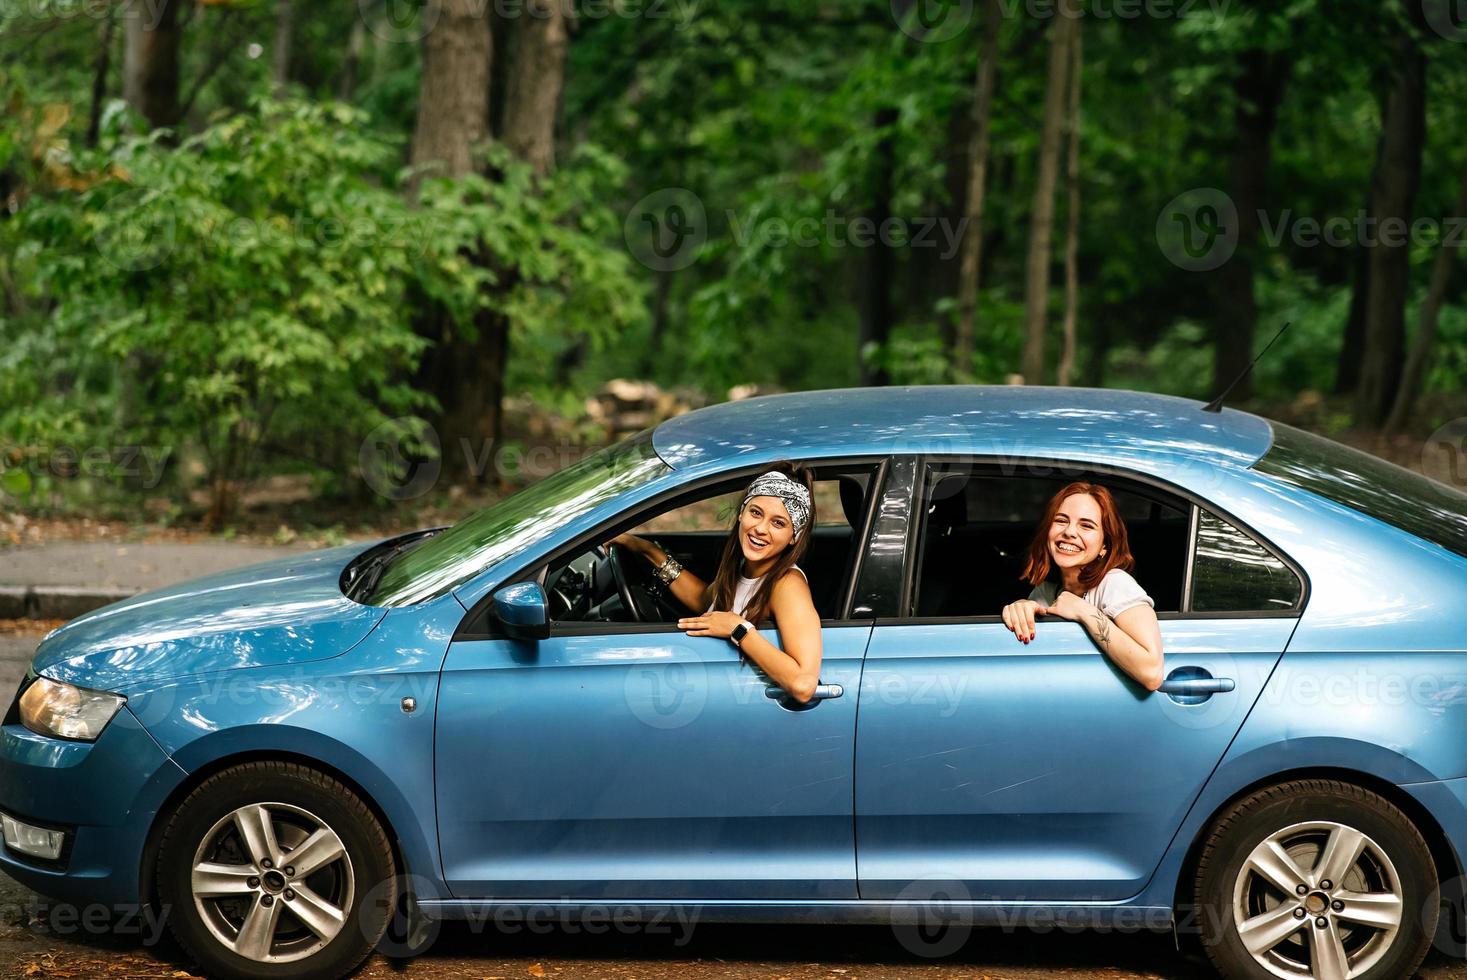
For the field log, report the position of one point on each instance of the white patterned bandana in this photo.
(776, 484)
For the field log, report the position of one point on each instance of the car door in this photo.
(628, 760)
(1040, 772)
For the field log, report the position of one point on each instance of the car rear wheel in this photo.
(274, 870)
(1318, 879)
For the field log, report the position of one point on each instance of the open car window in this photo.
(581, 584)
(976, 525)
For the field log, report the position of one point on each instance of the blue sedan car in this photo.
(503, 716)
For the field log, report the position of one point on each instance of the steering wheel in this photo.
(629, 598)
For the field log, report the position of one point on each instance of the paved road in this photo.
(37, 941)
(136, 566)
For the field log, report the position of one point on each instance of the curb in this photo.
(55, 601)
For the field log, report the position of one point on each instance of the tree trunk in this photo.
(280, 56)
(150, 60)
(1072, 230)
(1257, 91)
(105, 34)
(452, 118)
(346, 85)
(1041, 216)
(970, 271)
(1392, 200)
(533, 87)
(453, 97)
(1414, 373)
(1347, 368)
(876, 278)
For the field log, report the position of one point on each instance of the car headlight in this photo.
(60, 710)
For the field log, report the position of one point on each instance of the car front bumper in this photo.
(104, 795)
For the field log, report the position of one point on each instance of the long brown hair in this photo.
(731, 563)
(1112, 528)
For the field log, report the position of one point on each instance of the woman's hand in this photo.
(1019, 618)
(717, 624)
(1069, 606)
(628, 541)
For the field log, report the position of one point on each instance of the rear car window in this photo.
(1387, 492)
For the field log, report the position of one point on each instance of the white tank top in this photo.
(744, 591)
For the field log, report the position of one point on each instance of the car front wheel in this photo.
(274, 870)
(1318, 879)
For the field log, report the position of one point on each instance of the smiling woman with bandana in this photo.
(757, 578)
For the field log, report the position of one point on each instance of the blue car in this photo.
(502, 716)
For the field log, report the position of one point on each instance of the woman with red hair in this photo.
(1080, 566)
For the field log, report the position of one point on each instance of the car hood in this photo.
(287, 611)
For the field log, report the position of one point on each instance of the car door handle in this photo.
(1194, 685)
(823, 692)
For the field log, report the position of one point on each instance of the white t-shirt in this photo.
(1116, 593)
(744, 591)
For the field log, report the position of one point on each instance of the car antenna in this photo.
(1216, 404)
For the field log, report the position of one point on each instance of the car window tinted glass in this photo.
(449, 559)
(1234, 573)
(1384, 491)
(977, 527)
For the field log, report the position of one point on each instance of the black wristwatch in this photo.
(739, 632)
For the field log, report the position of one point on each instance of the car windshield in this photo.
(450, 558)
(1385, 491)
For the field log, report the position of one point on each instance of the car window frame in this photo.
(479, 624)
(1011, 466)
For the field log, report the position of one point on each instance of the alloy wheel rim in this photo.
(1318, 899)
(272, 882)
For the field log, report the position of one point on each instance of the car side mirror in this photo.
(523, 610)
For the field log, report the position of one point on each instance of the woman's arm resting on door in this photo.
(1132, 640)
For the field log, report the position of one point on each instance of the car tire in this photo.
(242, 914)
(1375, 923)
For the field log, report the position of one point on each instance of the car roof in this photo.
(990, 420)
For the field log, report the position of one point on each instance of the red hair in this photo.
(1112, 529)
